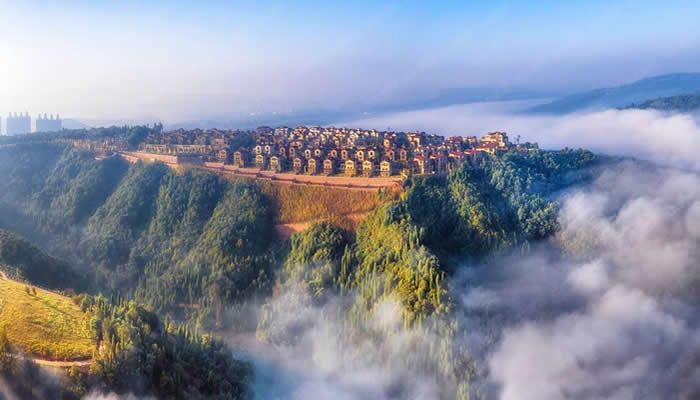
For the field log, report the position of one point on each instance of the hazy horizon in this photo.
(175, 61)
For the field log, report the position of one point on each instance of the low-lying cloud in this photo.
(313, 352)
(668, 139)
(615, 317)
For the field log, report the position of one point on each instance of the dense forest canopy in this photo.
(22, 261)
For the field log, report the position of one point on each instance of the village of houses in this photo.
(326, 151)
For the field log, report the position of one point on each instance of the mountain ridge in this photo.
(681, 103)
(620, 96)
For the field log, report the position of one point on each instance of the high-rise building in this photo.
(19, 124)
(48, 123)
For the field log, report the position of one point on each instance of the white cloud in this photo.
(629, 331)
(614, 350)
(666, 139)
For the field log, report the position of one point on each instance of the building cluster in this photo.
(50, 123)
(18, 124)
(211, 144)
(21, 123)
(330, 150)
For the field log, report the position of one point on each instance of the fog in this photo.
(668, 139)
(616, 317)
(314, 352)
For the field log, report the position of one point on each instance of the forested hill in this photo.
(22, 261)
(147, 232)
(112, 345)
(682, 103)
(198, 249)
(141, 230)
(120, 345)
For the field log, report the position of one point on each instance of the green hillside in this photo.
(681, 103)
(194, 244)
(22, 260)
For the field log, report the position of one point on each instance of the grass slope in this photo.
(297, 203)
(44, 325)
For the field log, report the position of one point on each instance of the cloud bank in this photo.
(646, 134)
(615, 317)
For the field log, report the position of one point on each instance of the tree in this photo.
(7, 359)
(137, 135)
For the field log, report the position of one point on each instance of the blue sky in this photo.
(186, 59)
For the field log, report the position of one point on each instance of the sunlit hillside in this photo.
(295, 203)
(43, 324)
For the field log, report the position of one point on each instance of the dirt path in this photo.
(40, 361)
(61, 364)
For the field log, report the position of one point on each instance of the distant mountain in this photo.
(455, 96)
(74, 124)
(682, 103)
(621, 96)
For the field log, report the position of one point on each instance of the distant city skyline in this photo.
(177, 61)
(20, 123)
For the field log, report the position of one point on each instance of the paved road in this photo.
(44, 362)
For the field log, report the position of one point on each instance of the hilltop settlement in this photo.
(325, 151)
